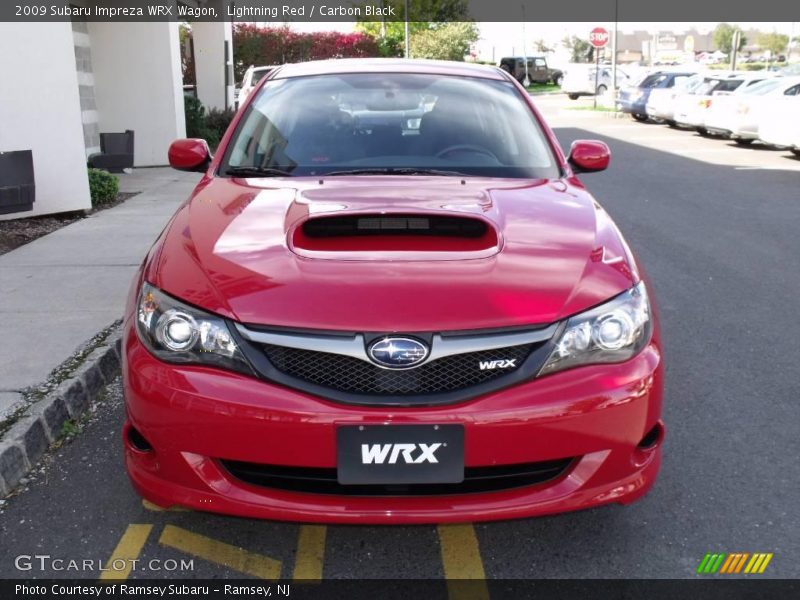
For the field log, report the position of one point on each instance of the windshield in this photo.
(760, 88)
(321, 124)
(728, 85)
(711, 85)
(691, 84)
(651, 81)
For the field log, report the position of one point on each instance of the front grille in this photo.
(324, 481)
(356, 376)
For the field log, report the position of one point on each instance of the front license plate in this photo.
(400, 454)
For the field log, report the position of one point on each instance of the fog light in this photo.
(652, 437)
(138, 441)
(176, 330)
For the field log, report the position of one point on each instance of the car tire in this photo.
(601, 89)
(573, 96)
(639, 117)
(743, 141)
(796, 151)
(703, 131)
(559, 80)
(671, 123)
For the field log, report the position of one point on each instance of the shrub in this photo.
(208, 125)
(103, 187)
(195, 117)
(216, 123)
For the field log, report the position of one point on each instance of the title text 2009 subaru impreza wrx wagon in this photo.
(390, 300)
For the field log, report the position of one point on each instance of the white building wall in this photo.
(40, 110)
(83, 65)
(138, 85)
(210, 62)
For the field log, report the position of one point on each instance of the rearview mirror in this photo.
(191, 154)
(587, 156)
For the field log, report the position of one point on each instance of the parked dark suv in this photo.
(538, 71)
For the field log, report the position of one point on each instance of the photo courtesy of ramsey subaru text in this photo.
(390, 299)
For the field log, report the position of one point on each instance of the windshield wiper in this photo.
(257, 172)
(395, 171)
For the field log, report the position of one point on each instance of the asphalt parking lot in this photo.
(716, 228)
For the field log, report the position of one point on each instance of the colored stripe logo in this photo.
(735, 562)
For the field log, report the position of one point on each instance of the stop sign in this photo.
(598, 37)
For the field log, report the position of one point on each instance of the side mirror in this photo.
(189, 155)
(587, 156)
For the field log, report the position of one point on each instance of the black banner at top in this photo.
(287, 11)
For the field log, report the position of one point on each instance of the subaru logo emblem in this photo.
(397, 352)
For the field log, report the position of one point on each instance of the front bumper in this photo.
(195, 416)
(658, 111)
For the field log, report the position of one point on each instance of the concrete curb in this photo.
(27, 440)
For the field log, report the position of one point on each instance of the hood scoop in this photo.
(390, 236)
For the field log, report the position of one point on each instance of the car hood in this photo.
(230, 250)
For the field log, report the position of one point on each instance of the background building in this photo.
(100, 77)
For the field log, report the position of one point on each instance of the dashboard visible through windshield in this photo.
(389, 123)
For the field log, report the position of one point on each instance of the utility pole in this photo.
(735, 41)
(614, 51)
(527, 81)
(408, 41)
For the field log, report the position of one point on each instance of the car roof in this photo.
(788, 81)
(388, 65)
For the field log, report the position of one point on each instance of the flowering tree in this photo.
(253, 45)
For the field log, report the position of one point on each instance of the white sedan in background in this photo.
(691, 108)
(661, 101)
(737, 114)
(779, 121)
(250, 79)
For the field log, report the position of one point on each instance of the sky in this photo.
(503, 39)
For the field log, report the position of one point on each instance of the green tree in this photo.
(582, 51)
(450, 41)
(424, 15)
(541, 46)
(776, 43)
(390, 35)
(723, 37)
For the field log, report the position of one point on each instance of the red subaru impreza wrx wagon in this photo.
(391, 300)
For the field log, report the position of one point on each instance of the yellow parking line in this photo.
(220, 553)
(461, 558)
(310, 553)
(156, 508)
(764, 564)
(128, 549)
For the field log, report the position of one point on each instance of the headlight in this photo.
(612, 332)
(178, 333)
